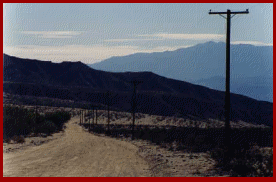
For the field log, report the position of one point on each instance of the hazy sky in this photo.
(94, 32)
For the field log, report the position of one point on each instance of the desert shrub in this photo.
(6, 140)
(17, 121)
(218, 154)
(200, 143)
(18, 139)
(252, 162)
(58, 118)
(39, 118)
(46, 127)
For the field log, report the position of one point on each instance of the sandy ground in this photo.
(77, 153)
(171, 163)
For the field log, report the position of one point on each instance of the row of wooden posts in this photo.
(108, 102)
(93, 113)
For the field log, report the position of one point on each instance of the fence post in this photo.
(89, 118)
(96, 116)
(93, 116)
(80, 116)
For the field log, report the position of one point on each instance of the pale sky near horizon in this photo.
(94, 32)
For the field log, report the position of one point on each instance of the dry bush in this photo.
(181, 121)
(253, 162)
(17, 121)
(7, 140)
(140, 116)
(46, 127)
(18, 139)
(160, 118)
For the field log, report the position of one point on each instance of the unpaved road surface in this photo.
(77, 153)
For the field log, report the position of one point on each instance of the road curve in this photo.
(76, 154)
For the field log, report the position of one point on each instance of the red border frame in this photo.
(148, 178)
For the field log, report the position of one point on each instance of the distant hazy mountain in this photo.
(203, 64)
(156, 95)
(260, 88)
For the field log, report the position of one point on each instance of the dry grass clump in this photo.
(7, 140)
(252, 162)
(18, 139)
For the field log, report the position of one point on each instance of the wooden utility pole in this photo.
(36, 114)
(86, 117)
(80, 117)
(83, 117)
(107, 97)
(96, 116)
(134, 103)
(89, 118)
(227, 82)
(93, 111)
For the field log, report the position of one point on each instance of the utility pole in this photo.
(96, 116)
(82, 111)
(107, 97)
(80, 117)
(135, 83)
(86, 117)
(93, 112)
(108, 103)
(36, 115)
(227, 82)
(83, 116)
(89, 118)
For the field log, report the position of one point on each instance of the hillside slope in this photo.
(156, 95)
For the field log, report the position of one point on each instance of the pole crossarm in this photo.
(231, 12)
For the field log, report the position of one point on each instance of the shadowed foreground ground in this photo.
(77, 153)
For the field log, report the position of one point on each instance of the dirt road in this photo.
(77, 153)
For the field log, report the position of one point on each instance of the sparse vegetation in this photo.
(58, 118)
(19, 122)
(170, 132)
(252, 162)
(18, 139)
(243, 159)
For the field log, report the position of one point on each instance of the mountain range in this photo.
(155, 95)
(204, 64)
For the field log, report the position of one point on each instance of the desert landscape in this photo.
(97, 152)
(147, 159)
(137, 90)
